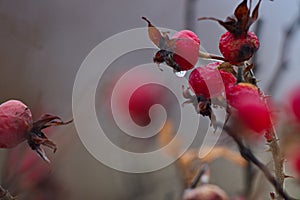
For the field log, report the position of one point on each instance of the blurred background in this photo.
(43, 44)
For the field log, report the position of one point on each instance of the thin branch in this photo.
(5, 195)
(210, 56)
(248, 155)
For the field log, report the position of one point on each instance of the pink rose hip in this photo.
(186, 49)
(15, 123)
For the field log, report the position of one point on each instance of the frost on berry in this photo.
(17, 125)
(180, 52)
(238, 44)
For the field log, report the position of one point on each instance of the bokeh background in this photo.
(43, 44)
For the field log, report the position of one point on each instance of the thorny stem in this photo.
(5, 195)
(249, 156)
(277, 159)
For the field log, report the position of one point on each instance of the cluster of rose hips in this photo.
(230, 83)
(229, 80)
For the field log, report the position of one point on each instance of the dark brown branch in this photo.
(198, 177)
(249, 156)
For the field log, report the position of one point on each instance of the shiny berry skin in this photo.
(251, 108)
(142, 100)
(236, 94)
(237, 49)
(15, 123)
(255, 114)
(210, 76)
(186, 49)
(295, 103)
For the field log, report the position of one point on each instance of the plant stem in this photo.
(249, 156)
(277, 159)
(210, 56)
(5, 195)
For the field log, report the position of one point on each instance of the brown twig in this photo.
(248, 155)
(5, 195)
(210, 56)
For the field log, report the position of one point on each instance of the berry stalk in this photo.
(277, 158)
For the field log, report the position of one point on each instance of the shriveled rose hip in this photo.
(15, 123)
(237, 49)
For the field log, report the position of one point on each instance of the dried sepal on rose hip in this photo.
(208, 82)
(181, 52)
(238, 44)
(17, 125)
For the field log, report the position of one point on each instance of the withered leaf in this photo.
(49, 120)
(254, 14)
(241, 22)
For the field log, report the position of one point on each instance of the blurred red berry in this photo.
(142, 100)
(15, 123)
(295, 103)
(209, 82)
(237, 49)
(251, 108)
(240, 92)
(255, 114)
(186, 49)
(293, 158)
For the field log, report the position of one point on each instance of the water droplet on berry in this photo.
(180, 74)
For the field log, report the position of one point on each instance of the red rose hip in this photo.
(186, 49)
(237, 49)
(209, 82)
